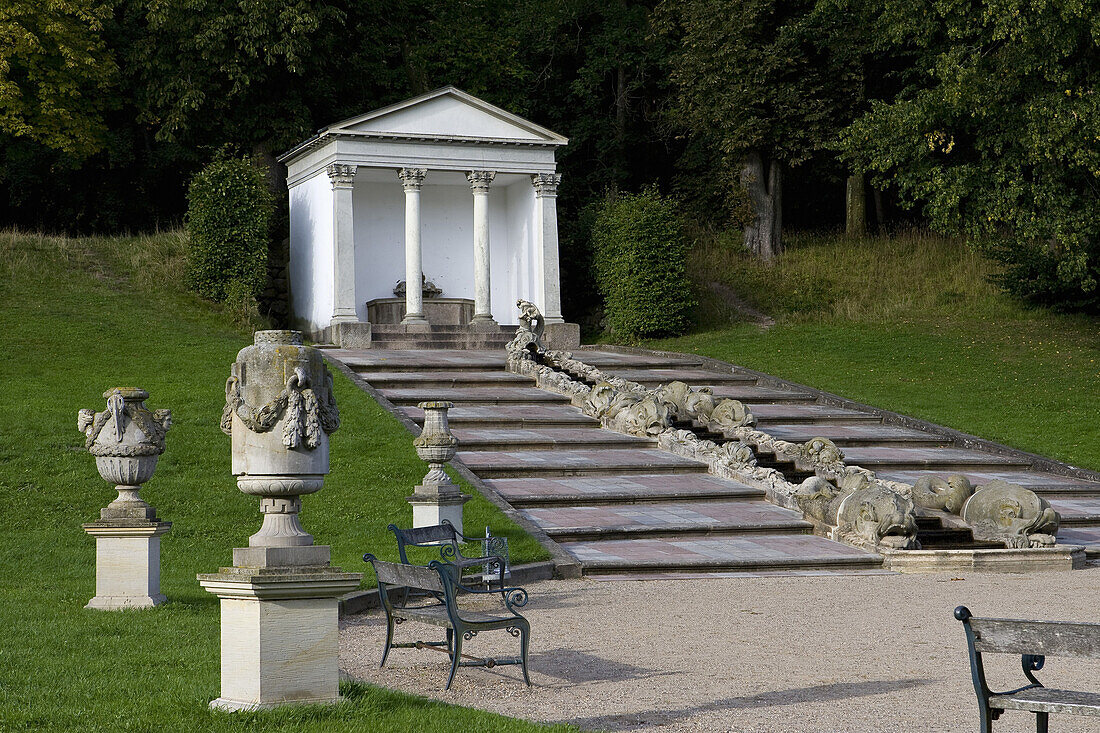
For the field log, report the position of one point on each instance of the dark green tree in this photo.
(57, 73)
(998, 134)
(759, 86)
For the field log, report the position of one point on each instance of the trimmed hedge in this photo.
(229, 211)
(641, 268)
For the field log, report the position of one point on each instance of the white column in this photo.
(479, 184)
(343, 231)
(546, 244)
(411, 180)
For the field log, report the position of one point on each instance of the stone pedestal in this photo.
(127, 563)
(562, 336)
(430, 510)
(437, 497)
(126, 440)
(279, 627)
(351, 334)
(280, 600)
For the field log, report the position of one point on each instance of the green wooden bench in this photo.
(441, 581)
(1034, 641)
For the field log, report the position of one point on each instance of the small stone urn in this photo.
(280, 600)
(437, 497)
(126, 440)
(279, 411)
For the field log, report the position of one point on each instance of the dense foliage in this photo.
(228, 223)
(998, 133)
(641, 265)
(55, 72)
(982, 117)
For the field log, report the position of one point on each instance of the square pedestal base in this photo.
(232, 706)
(279, 636)
(428, 512)
(562, 336)
(351, 335)
(127, 564)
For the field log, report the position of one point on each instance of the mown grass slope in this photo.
(83, 315)
(909, 323)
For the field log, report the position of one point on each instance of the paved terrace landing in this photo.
(619, 505)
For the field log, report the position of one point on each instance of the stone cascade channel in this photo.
(620, 505)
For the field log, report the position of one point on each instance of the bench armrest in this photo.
(515, 597)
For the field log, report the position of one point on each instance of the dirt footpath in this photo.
(815, 653)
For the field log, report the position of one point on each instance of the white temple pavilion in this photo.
(443, 187)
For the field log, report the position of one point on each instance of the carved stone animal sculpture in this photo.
(729, 414)
(933, 492)
(1001, 511)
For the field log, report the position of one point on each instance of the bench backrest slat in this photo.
(423, 535)
(409, 576)
(1049, 638)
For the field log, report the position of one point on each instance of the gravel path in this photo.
(781, 653)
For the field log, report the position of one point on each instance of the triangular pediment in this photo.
(447, 113)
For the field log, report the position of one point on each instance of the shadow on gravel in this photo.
(818, 693)
(576, 667)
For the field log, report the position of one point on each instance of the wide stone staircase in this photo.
(619, 505)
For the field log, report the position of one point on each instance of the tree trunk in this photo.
(856, 206)
(274, 171)
(880, 211)
(763, 233)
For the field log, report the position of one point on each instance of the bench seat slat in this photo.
(1049, 638)
(1044, 700)
(437, 615)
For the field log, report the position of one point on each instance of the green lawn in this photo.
(910, 324)
(82, 315)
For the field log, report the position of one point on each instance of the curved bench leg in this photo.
(389, 640)
(986, 719)
(524, 639)
(1041, 722)
(456, 655)
(451, 641)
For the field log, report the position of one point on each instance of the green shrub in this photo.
(1043, 274)
(640, 255)
(229, 210)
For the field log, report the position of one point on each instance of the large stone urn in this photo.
(280, 600)
(126, 440)
(437, 497)
(279, 412)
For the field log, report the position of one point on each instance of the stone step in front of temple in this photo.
(622, 507)
(395, 336)
(856, 434)
(524, 416)
(696, 377)
(548, 439)
(809, 414)
(749, 553)
(445, 380)
(666, 519)
(567, 461)
(473, 395)
(612, 490)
